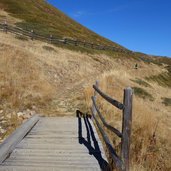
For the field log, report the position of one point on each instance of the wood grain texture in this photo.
(122, 163)
(58, 144)
(109, 99)
(126, 128)
(10, 143)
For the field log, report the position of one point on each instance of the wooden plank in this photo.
(49, 168)
(57, 151)
(126, 128)
(10, 143)
(109, 99)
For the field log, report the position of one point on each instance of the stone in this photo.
(2, 131)
(20, 114)
(8, 116)
(33, 107)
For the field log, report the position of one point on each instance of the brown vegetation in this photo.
(151, 143)
(53, 81)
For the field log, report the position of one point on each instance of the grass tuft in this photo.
(166, 101)
(163, 79)
(140, 92)
(141, 82)
(48, 48)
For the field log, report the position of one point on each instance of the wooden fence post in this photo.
(76, 43)
(51, 39)
(126, 128)
(95, 97)
(65, 41)
(32, 34)
(84, 44)
(5, 27)
(92, 45)
(103, 47)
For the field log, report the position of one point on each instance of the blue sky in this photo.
(139, 25)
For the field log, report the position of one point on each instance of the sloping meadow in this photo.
(150, 142)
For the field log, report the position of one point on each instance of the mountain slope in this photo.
(50, 80)
(40, 77)
(45, 19)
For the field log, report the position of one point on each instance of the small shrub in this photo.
(166, 101)
(48, 48)
(142, 93)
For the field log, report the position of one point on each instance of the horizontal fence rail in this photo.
(122, 161)
(104, 122)
(57, 39)
(109, 99)
(10, 143)
(113, 154)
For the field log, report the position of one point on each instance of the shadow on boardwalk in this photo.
(93, 149)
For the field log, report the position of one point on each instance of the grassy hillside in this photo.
(55, 81)
(50, 80)
(45, 19)
(150, 142)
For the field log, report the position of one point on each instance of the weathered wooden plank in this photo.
(50, 164)
(49, 152)
(126, 128)
(40, 157)
(50, 161)
(49, 146)
(48, 168)
(45, 147)
(10, 143)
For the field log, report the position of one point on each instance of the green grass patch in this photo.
(166, 101)
(142, 93)
(141, 82)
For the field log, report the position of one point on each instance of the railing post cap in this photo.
(97, 81)
(128, 88)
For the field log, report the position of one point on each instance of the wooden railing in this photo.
(8, 145)
(122, 161)
(59, 40)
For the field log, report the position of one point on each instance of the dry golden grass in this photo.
(151, 143)
(22, 81)
(41, 77)
(55, 80)
(38, 74)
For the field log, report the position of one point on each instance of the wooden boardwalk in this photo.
(57, 144)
